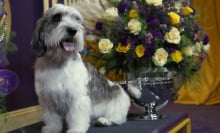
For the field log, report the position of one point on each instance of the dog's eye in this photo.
(57, 17)
(78, 18)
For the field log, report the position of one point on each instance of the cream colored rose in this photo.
(197, 49)
(173, 36)
(160, 57)
(111, 13)
(178, 6)
(188, 51)
(105, 45)
(134, 26)
(102, 70)
(206, 48)
(154, 2)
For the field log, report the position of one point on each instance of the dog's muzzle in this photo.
(68, 43)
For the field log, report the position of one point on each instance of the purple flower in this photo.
(196, 28)
(170, 47)
(99, 26)
(148, 37)
(150, 49)
(164, 19)
(122, 7)
(123, 39)
(163, 27)
(184, 24)
(135, 5)
(157, 34)
(196, 39)
(202, 57)
(152, 20)
(205, 39)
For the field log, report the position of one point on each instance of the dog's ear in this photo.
(38, 47)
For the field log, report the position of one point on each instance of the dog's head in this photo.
(59, 32)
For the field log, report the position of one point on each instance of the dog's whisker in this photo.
(81, 27)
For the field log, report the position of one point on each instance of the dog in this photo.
(68, 88)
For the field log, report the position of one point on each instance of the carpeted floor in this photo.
(204, 118)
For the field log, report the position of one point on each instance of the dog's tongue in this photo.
(68, 46)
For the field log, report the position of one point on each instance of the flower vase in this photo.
(156, 90)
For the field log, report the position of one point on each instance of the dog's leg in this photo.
(116, 110)
(53, 122)
(78, 118)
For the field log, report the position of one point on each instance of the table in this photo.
(170, 123)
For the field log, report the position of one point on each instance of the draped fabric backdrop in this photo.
(204, 88)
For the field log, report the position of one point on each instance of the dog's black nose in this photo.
(71, 31)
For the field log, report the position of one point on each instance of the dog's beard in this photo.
(59, 54)
(64, 46)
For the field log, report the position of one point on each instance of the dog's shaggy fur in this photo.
(67, 87)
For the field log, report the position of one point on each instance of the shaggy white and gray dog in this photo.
(67, 87)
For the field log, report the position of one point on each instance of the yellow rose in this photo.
(105, 45)
(187, 10)
(173, 36)
(123, 48)
(111, 13)
(139, 50)
(154, 2)
(174, 18)
(176, 56)
(160, 57)
(133, 13)
(134, 26)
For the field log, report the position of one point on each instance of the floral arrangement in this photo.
(146, 34)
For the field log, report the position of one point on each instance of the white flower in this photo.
(105, 45)
(160, 57)
(154, 2)
(134, 26)
(173, 36)
(178, 6)
(111, 13)
(102, 70)
(197, 49)
(206, 48)
(188, 51)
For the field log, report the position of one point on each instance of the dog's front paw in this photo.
(102, 122)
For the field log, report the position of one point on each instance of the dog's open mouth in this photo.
(68, 44)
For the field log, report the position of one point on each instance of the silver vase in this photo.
(156, 89)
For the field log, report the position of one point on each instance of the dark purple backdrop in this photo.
(25, 13)
(24, 16)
